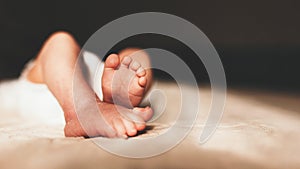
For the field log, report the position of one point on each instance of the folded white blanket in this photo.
(33, 101)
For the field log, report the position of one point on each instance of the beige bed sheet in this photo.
(258, 130)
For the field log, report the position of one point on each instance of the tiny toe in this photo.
(142, 81)
(112, 61)
(140, 126)
(120, 128)
(126, 61)
(135, 65)
(130, 127)
(141, 72)
(137, 120)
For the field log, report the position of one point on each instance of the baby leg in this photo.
(54, 66)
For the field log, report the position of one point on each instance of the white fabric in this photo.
(35, 101)
(95, 71)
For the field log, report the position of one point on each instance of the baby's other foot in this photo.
(113, 121)
(123, 83)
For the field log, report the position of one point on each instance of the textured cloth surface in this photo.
(258, 130)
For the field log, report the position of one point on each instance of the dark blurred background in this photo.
(258, 41)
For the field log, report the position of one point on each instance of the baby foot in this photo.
(123, 83)
(113, 121)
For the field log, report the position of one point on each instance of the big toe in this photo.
(145, 113)
(112, 61)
